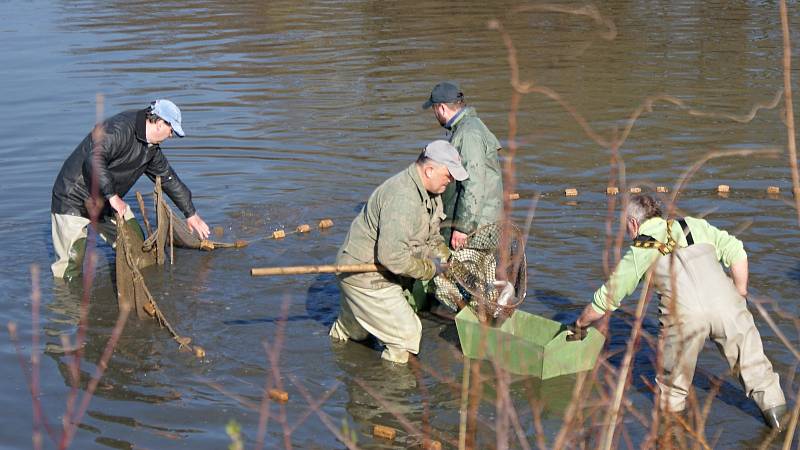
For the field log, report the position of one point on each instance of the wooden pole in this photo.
(330, 268)
(144, 213)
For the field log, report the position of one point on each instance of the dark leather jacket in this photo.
(122, 156)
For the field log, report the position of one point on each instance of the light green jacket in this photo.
(637, 261)
(478, 200)
(397, 228)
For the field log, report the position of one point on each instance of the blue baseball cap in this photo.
(171, 114)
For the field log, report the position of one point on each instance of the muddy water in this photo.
(295, 111)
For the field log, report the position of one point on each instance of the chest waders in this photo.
(698, 300)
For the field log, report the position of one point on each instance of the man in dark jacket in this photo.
(103, 168)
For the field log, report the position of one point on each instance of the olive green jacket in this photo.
(478, 200)
(397, 228)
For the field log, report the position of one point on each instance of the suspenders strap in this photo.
(645, 241)
(686, 231)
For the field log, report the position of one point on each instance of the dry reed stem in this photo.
(787, 442)
(404, 422)
(590, 11)
(513, 417)
(102, 365)
(572, 410)
(787, 88)
(323, 417)
(622, 382)
(784, 340)
(613, 144)
(36, 298)
(416, 368)
(314, 405)
(462, 410)
(72, 417)
(273, 380)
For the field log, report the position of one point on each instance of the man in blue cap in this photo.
(103, 168)
(477, 201)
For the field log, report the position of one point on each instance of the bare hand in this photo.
(458, 240)
(118, 204)
(197, 225)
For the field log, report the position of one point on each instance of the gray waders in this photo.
(699, 300)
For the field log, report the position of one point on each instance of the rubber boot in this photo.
(773, 416)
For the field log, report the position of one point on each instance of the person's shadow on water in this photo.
(794, 273)
(321, 304)
(322, 299)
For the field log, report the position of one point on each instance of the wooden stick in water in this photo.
(329, 268)
(144, 213)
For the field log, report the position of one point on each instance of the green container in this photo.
(527, 344)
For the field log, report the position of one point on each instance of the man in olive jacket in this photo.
(398, 228)
(103, 168)
(478, 200)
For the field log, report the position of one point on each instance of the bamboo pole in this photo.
(325, 268)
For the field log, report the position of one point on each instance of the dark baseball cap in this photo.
(444, 92)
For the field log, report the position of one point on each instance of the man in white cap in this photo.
(103, 168)
(398, 228)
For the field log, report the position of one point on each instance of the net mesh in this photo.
(492, 253)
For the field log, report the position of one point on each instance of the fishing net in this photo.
(133, 253)
(132, 292)
(494, 252)
(174, 229)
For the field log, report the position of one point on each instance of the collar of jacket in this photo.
(141, 127)
(456, 117)
(464, 112)
(655, 227)
(423, 193)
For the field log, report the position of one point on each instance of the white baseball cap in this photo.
(443, 152)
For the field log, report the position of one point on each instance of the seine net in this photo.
(134, 253)
(494, 252)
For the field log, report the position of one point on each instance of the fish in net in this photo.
(492, 259)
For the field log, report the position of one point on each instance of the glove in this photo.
(576, 333)
(441, 250)
(506, 289)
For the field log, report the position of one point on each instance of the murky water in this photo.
(294, 112)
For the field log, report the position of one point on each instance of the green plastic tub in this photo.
(527, 344)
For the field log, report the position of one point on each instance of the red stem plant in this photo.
(76, 404)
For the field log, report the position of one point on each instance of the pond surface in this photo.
(294, 112)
